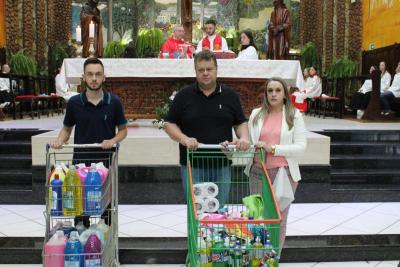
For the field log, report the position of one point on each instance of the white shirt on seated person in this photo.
(63, 89)
(366, 87)
(385, 81)
(248, 53)
(395, 87)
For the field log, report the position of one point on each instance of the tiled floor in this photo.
(306, 264)
(170, 220)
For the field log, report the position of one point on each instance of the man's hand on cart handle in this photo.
(56, 143)
(108, 144)
(241, 144)
(190, 142)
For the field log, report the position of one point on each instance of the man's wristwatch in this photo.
(273, 147)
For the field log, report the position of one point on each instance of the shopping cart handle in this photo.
(218, 146)
(82, 146)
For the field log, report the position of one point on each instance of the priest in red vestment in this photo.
(212, 41)
(172, 48)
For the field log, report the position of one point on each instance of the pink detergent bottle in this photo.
(103, 171)
(92, 251)
(54, 250)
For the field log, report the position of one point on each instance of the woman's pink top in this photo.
(271, 134)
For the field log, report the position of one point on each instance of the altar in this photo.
(143, 84)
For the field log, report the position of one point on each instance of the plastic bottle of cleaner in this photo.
(227, 255)
(57, 170)
(237, 256)
(104, 228)
(92, 251)
(68, 228)
(103, 171)
(72, 193)
(54, 250)
(55, 197)
(100, 233)
(205, 254)
(93, 192)
(73, 251)
(217, 252)
(258, 253)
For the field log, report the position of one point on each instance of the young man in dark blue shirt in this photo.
(95, 113)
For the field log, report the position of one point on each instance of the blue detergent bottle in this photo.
(93, 192)
(73, 251)
(56, 196)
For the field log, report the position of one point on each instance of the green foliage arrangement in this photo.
(57, 55)
(342, 67)
(149, 42)
(22, 64)
(114, 49)
(309, 55)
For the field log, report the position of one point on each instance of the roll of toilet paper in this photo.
(200, 205)
(210, 190)
(198, 190)
(211, 204)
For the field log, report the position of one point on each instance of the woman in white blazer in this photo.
(278, 128)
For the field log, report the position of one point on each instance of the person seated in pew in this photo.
(360, 99)
(298, 99)
(248, 49)
(314, 85)
(391, 93)
(385, 77)
(63, 89)
(173, 47)
(5, 92)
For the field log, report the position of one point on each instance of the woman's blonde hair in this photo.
(288, 105)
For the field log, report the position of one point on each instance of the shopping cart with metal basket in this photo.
(81, 206)
(233, 218)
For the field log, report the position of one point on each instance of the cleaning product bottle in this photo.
(248, 253)
(100, 233)
(93, 192)
(73, 251)
(104, 228)
(205, 254)
(72, 193)
(57, 170)
(237, 256)
(54, 250)
(217, 252)
(103, 171)
(258, 253)
(92, 251)
(68, 228)
(55, 197)
(227, 255)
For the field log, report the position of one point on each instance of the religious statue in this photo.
(279, 32)
(90, 13)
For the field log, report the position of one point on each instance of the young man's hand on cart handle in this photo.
(56, 144)
(108, 144)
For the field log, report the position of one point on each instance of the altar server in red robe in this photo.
(212, 41)
(172, 48)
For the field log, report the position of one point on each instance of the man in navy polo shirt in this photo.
(205, 112)
(95, 114)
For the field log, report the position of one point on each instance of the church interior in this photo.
(337, 63)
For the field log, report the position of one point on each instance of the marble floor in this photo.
(170, 220)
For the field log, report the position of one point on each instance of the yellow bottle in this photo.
(72, 193)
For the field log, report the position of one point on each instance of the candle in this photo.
(91, 29)
(78, 34)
